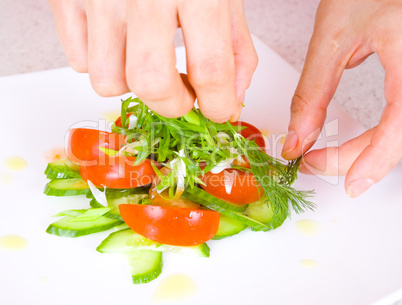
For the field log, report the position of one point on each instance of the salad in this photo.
(170, 185)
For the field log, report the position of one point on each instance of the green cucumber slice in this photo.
(119, 193)
(68, 227)
(196, 193)
(229, 227)
(213, 203)
(115, 197)
(114, 204)
(127, 240)
(66, 187)
(61, 169)
(145, 266)
(262, 212)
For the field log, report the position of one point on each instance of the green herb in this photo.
(194, 140)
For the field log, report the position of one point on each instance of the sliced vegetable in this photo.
(228, 227)
(120, 173)
(233, 185)
(216, 204)
(118, 120)
(261, 211)
(127, 240)
(216, 181)
(250, 132)
(67, 187)
(69, 227)
(114, 204)
(83, 145)
(62, 169)
(171, 225)
(145, 266)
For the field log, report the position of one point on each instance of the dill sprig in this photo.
(203, 142)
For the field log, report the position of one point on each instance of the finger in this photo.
(207, 34)
(385, 149)
(151, 60)
(245, 56)
(106, 47)
(71, 25)
(325, 61)
(335, 161)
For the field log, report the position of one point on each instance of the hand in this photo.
(346, 32)
(128, 45)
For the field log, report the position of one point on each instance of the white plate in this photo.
(357, 249)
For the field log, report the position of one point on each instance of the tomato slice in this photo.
(171, 225)
(251, 133)
(118, 120)
(119, 172)
(233, 185)
(83, 145)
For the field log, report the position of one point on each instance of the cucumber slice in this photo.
(66, 187)
(262, 212)
(213, 203)
(229, 227)
(61, 169)
(114, 204)
(68, 227)
(196, 194)
(119, 193)
(145, 266)
(115, 197)
(127, 240)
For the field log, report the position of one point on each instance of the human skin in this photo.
(127, 45)
(346, 32)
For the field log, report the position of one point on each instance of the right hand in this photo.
(128, 45)
(345, 33)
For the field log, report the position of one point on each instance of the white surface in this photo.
(358, 248)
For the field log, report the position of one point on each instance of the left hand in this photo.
(346, 32)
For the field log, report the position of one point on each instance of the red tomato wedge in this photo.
(119, 172)
(251, 133)
(83, 145)
(171, 225)
(118, 120)
(233, 185)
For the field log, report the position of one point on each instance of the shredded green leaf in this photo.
(202, 145)
(91, 214)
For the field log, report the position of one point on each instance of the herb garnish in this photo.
(193, 145)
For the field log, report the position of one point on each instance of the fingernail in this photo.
(359, 186)
(290, 142)
(306, 168)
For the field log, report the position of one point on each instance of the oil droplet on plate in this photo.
(6, 178)
(42, 279)
(309, 263)
(15, 163)
(175, 288)
(265, 132)
(308, 227)
(13, 242)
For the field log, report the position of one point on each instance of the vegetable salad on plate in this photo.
(170, 185)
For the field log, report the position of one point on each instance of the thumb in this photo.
(320, 77)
